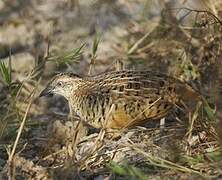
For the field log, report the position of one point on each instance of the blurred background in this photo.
(41, 38)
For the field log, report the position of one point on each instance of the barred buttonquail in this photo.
(119, 99)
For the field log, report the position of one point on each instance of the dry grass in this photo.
(185, 43)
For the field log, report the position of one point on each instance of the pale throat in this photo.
(69, 92)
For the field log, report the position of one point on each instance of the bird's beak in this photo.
(46, 92)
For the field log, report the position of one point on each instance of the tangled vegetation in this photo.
(39, 140)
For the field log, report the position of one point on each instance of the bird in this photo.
(120, 99)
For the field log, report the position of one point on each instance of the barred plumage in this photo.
(120, 99)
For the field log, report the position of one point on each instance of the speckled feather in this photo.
(121, 99)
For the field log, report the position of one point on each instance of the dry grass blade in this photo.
(147, 35)
(75, 140)
(157, 161)
(194, 117)
(139, 42)
(12, 153)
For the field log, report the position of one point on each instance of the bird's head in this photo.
(62, 84)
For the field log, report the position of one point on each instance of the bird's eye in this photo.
(59, 83)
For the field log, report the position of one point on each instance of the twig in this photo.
(200, 11)
(140, 41)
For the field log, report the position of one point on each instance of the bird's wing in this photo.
(137, 85)
(136, 95)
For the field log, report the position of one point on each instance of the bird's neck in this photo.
(78, 96)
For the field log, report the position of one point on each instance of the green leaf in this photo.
(128, 171)
(214, 155)
(209, 111)
(5, 73)
(117, 169)
(96, 42)
(67, 57)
